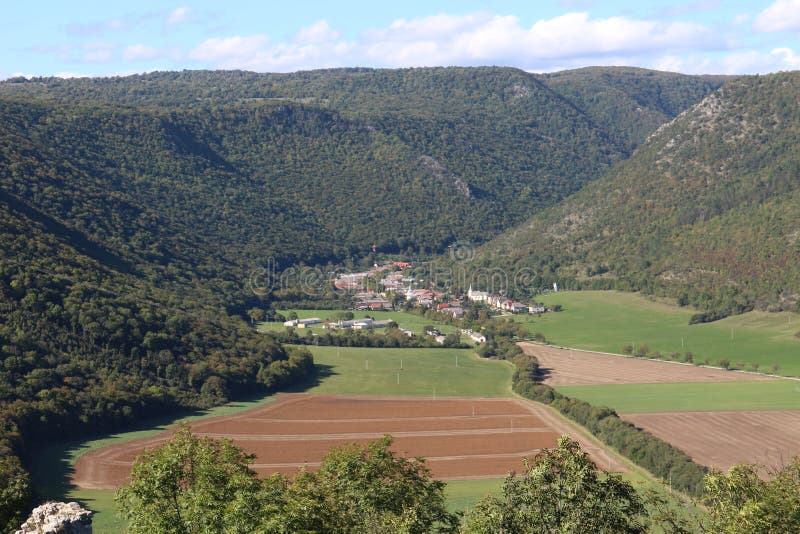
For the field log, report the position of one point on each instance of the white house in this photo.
(477, 296)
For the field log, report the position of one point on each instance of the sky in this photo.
(107, 38)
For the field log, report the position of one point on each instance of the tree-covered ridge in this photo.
(708, 210)
(313, 165)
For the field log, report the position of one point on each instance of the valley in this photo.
(168, 247)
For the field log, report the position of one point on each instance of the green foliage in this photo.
(198, 484)
(191, 484)
(368, 488)
(15, 493)
(561, 490)
(741, 501)
(636, 101)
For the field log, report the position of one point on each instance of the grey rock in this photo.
(58, 518)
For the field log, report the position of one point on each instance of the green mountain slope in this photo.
(707, 210)
(635, 101)
(316, 165)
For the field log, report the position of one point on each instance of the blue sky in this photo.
(107, 38)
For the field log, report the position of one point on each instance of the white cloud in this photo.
(178, 15)
(68, 74)
(226, 51)
(782, 15)
(140, 52)
(472, 39)
(100, 27)
(740, 62)
(97, 52)
(741, 18)
(319, 32)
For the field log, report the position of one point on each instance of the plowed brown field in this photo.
(460, 438)
(723, 439)
(568, 367)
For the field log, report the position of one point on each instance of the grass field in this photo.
(411, 321)
(607, 320)
(463, 494)
(368, 371)
(691, 396)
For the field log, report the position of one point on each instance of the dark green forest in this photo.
(706, 211)
(320, 165)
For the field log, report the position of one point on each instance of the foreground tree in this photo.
(740, 501)
(366, 488)
(15, 493)
(192, 484)
(196, 484)
(560, 491)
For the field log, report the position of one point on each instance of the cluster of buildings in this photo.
(371, 300)
(358, 324)
(354, 324)
(499, 302)
(302, 323)
(371, 288)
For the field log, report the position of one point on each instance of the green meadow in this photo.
(691, 396)
(607, 320)
(463, 494)
(420, 372)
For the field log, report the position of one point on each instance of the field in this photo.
(411, 321)
(443, 372)
(340, 370)
(566, 367)
(459, 437)
(722, 439)
(607, 320)
(691, 396)
(718, 417)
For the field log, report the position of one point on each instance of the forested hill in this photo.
(235, 167)
(707, 210)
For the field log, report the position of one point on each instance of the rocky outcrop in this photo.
(58, 518)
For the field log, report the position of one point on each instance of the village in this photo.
(387, 286)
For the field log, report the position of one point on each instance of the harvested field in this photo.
(722, 439)
(568, 367)
(459, 437)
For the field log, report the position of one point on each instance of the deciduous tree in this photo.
(560, 491)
